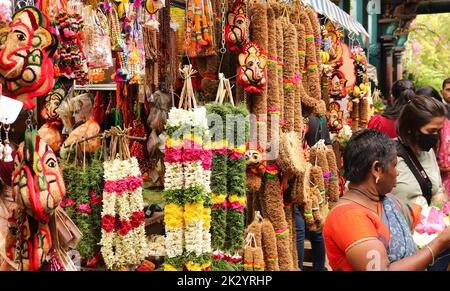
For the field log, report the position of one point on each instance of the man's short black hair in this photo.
(446, 81)
(364, 148)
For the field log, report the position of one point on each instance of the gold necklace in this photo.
(346, 198)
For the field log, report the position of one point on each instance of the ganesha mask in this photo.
(26, 47)
(237, 28)
(38, 188)
(252, 74)
(38, 184)
(52, 102)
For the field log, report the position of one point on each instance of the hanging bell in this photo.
(7, 153)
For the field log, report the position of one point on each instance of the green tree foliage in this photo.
(426, 60)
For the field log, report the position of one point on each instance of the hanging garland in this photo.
(219, 188)
(123, 242)
(187, 210)
(83, 204)
(236, 184)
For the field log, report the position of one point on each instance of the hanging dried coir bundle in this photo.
(274, 206)
(334, 189)
(291, 159)
(290, 51)
(269, 246)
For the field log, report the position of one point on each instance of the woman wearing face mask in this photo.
(402, 91)
(369, 229)
(419, 179)
(419, 125)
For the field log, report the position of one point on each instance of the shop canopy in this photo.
(336, 14)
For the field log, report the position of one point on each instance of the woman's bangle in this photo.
(432, 253)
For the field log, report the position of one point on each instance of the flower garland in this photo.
(123, 229)
(187, 187)
(236, 184)
(84, 204)
(219, 190)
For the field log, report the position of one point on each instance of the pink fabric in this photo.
(443, 154)
(383, 124)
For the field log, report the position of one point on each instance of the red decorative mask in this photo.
(26, 67)
(236, 30)
(252, 74)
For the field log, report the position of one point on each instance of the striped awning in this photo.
(336, 14)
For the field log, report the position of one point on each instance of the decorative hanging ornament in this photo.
(237, 28)
(26, 48)
(37, 179)
(152, 6)
(252, 73)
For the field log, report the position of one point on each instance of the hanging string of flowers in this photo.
(83, 203)
(236, 168)
(219, 188)
(123, 235)
(187, 187)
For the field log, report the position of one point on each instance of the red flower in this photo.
(121, 186)
(108, 223)
(134, 183)
(137, 218)
(124, 227)
(96, 200)
(84, 208)
(67, 202)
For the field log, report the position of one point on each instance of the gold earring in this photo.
(377, 179)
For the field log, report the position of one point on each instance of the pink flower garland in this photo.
(120, 186)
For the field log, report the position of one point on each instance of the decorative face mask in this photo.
(336, 84)
(26, 67)
(38, 184)
(254, 158)
(236, 30)
(52, 102)
(252, 74)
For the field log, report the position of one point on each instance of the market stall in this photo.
(169, 135)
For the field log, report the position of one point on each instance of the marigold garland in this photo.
(187, 189)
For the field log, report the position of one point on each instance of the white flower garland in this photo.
(132, 248)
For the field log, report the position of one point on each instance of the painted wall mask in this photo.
(26, 47)
(237, 28)
(252, 74)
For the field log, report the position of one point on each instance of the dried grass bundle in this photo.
(291, 159)
(269, 246)
(334, 189)
(274, 206)
(289, 55)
